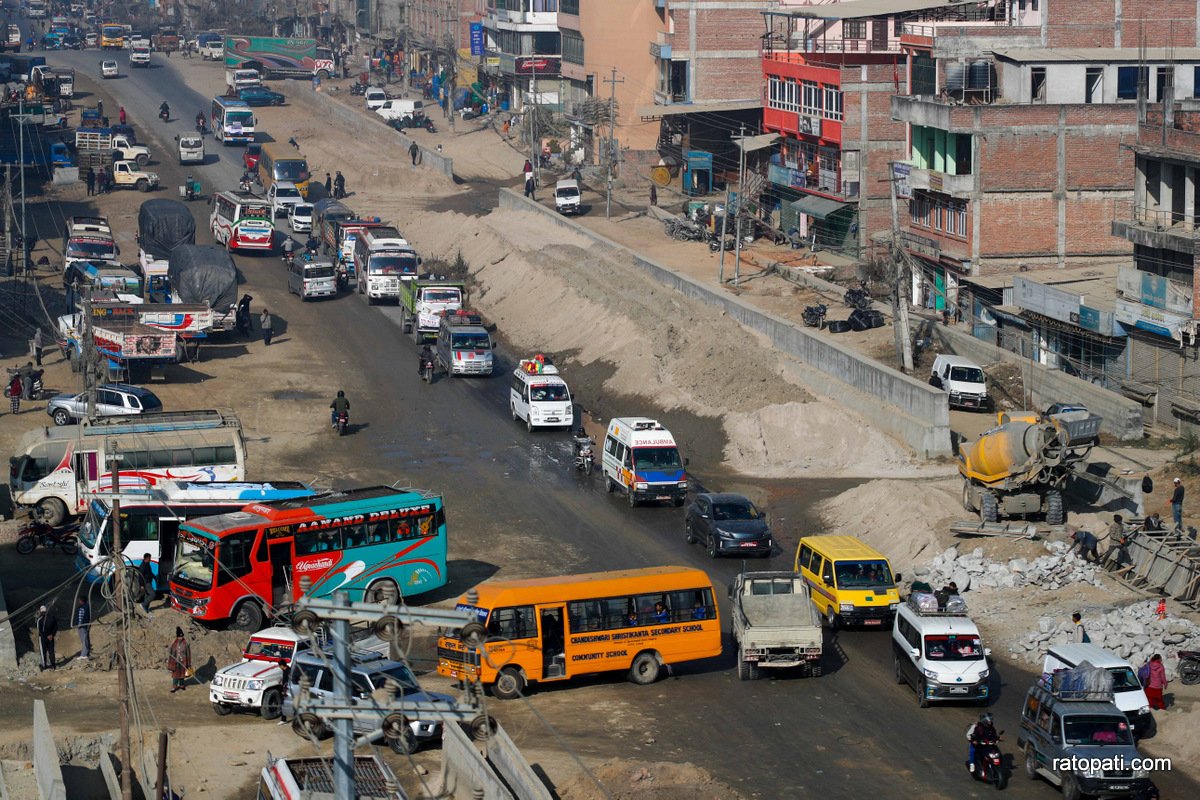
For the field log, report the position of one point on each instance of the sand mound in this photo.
(902, 519)
(636, 780)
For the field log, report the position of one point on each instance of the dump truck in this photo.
(1021, 467)
(775, 624)
(424, 301)
(166, 40)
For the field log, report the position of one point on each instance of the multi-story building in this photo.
(523, 51)
(1156, 297)
(438, 35)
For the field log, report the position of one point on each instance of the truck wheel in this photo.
(1070, 787)
(645, 668)
(272, 704)
(1031, 765)
(247, 617)
(222, 709)
(52, 511)
(509, 684)
(747, 670)
(609, 485)
(968, 499)
(1055, 513)
(405, 744)
(632, 498)
(142, 159)
(143, 185)
(896, 668)
(989, 506)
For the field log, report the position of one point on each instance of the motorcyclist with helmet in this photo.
(164, 111)
(982, 731)
(580, 440)
(340, 405)
(424, 357)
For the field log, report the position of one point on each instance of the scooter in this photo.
(342, 279)
(343, 420)
(1189, 667)
(429, 125)
(814, 316)
(716, 244)
(36, 532)
(989, 763)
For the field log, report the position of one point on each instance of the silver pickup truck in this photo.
(774, 623)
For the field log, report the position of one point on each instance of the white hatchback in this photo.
(300, 217)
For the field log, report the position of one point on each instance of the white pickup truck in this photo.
(103, 140)
(775, 624)
(256, 683)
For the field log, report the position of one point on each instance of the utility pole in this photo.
(24, 240)
(160, 782)
(737, 229)
(724, 228)
(8, 216)
(343, 729)
(612, 136)
(533, 153)
(899, 294)
(118, 557)
(87, 351)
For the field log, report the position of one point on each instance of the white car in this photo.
(282, 196)
(256, 683)
(109, 69)
(375, 97)
(300, 217)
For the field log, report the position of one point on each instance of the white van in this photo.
(400, 108)
(566, 197)
(936, 649)
(641, 459)
(1128, 694)
(539, 396)
(962, 379)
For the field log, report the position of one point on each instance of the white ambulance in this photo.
(641, 459)
(539, 396)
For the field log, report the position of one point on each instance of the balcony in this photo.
(818, 44)
(1154, 227)
(957, 186)
(526, 19)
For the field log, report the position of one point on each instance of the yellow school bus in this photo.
(552, 629)
(279, 162)
(851, 582)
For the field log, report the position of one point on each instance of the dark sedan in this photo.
(260, 96)
(727, 523)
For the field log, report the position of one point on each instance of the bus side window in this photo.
(805, 556)
(305, 542)
(234, 558)
(513, 623)
(354, 535)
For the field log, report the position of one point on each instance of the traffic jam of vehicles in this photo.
(191, 511)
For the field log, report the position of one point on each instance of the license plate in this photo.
(873, 622)
(1119, 787)
(663, 497)
(749, 544)
(230, 695)
(551, 419)
(958, 690)
(968, 402)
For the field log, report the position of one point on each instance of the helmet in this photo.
(341, 393)
(985, 718)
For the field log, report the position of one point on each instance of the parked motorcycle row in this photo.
(862, 317)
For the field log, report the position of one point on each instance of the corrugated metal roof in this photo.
(859, 9)
(1026, 55)
(819, 207)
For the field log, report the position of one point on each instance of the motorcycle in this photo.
(201, 127)
(1189, 667)
(37, 533)
(343, 420)
(342, 279)
(429, 125)
(358, 88)
(164, 115)
(191, 189)
(584, 458)
(427, 370)
(814, 316)
(716, 244)
(989, 762)
(245, 185)
(858, 297)
(289, 257)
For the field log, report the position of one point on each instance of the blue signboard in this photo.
(476, 38)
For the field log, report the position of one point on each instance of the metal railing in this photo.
(1156, 218)
(818, 44)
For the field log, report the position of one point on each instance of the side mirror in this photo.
(898, 578)
(914, 652)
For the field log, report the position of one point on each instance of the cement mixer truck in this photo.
(1020, 468)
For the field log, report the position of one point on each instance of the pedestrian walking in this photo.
(412, 151)
(146, 570)
(100, 108)
(529, 187)
(1177, 504)
(653, 195)
(1081, 634)
(35, 346)
(89, 177)
(27, 381)
(179, 662)
(1157, 683)
(14, 394)
(121, 114)
(83, 622)
(328, 184)
(47, 629)
(268, 327)
(101, 181)
(243, 315)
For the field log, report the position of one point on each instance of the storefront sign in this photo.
(492, 61)
(785, 176)
(809, 125)
(476, 38)
(900, 174)
(1061, 305)
(536, 65)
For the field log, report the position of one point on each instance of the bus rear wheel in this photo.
(247, 617)
(509, 684)
(380, 591)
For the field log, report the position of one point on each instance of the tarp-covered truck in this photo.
(280, 58)
(163, 225)
(204, 274)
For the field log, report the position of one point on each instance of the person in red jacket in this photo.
(1157, 682)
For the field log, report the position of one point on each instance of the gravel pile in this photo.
(1133, 632)
(972, 572)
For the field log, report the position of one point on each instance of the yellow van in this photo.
(851, 582)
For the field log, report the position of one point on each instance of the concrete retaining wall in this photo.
(464, 769)
(512, 766)
(352, 121)
(909, 410)
(46, 768)
(1122, 416)
(8, 641)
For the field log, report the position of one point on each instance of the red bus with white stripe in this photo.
(242, 221)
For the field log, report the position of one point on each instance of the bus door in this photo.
(280, 556)
(86, 466)
(551, 621)
(168, 537)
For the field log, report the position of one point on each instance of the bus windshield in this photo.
(194, 565)
(77, 248)
(656, 458)
(294, 170)
(863, 575)
(241, 117)
(113, 30)
(89, 529)
(393, 265)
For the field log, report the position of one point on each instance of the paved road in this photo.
(850, 734)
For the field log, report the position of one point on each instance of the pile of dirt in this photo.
(907, 521)
(638, 780)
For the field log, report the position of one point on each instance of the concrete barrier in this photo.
(47, 770)
(8, 637)
(464, 769)
(512, 766)
(909, 410)
(355, 120)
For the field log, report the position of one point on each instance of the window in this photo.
(805, 555)
(833, 102)
(569, 6)
(811, 100)
(1128, 79)
(1094, 85)
(1164, 76)
(572, 47)
(513, 623)
(854, 29)
(897, 26)
(1037, 84)
(233, 556)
